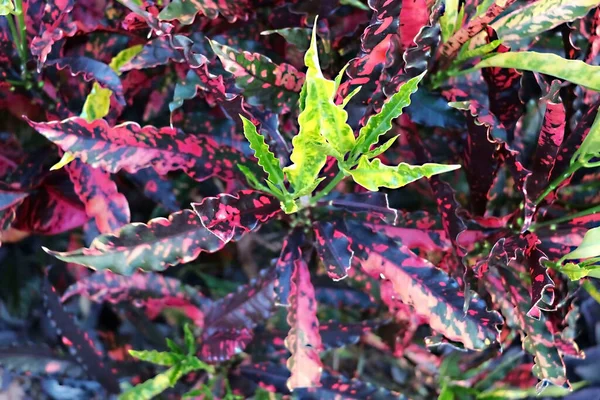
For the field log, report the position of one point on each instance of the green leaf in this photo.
(323, 127)
(574, 71)
(164, 358)
(589, 247)
(299, 37)
(174, 347)
(97, 103)
(253, 181)
(590, 147)
(190, 341)
(182, 10)
(355, 3)
(350, 96)
(266, 159)
(381, 149)
(6, 7)
(575, 272)
(541, 16)
(478, 51)
(448, 21)
(155, 386)
(373, 174)
(379, 124)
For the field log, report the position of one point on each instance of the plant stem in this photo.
(565, 218)
(556, 182)
(14, 34)
(338, 178)
(591, 289)
(21, 41)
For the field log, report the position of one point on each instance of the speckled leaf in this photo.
(369, 206)
(91, 69)
(574, 71)
(334, 249)
(153, 247)
(264, 83)
(156, 188)
(99, 193)
(541, 16)
(39, 361)
(323, 127)
(303, 340)
(54, 24)
(51, 209)
(549, 141)
(450, 49)
(228, 216)
(223, 345)
(338, 334)
(185, 10)
(538, 340)
(503, 89)
(145, 289)
(131, 147)
(287, 263)
(373, 174)
(80, 344)
(9, 201)
(251, 305)
(157, 51)
(430, 291)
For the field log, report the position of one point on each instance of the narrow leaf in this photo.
(157, 357)
(373, 174)
(574, 71)
(266, 159)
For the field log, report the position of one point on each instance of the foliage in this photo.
(387, 199)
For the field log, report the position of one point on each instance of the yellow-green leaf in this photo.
(590, 147)
(155, 386)
(266, 159)
(589, 247)
(66, 158)
(323, 128)
(574, 71)
(6, 7)
(373, 174)
(164, 358)
(124, 56)
(380, 123)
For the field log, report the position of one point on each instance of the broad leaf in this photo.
(541, 16)
(54, 25)
(266, 159)
(322, 126)
(224, 344)
(373, 174)
(131, 147)
(264, 83)
(303, 340)
(428, 290)
(153, 247)
(91, 69)
(574, 71)
(340, 387)
(99, 194)
(368, 206)
(287, 263)
(380, 123)
(228, 216)
(334, 249)
(185, 10)
(589, 247)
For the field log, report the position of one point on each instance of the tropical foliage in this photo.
(318, 199)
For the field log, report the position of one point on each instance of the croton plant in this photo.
(303, 199)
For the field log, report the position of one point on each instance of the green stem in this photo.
(591, 289)
(566, 218)
(338, 178)
(560, 179)
(22, 47)
(14, 34)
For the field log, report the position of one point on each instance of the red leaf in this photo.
(303, 340)
(131, 147)
(229, 216)
(55, 24)
(224, 344)
(334, 249)
(99, 193)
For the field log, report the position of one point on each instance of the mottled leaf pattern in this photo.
(153, 247)
(264, 83)
(228, 216)
(334, 249)
(303, 340)
(131, 147)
